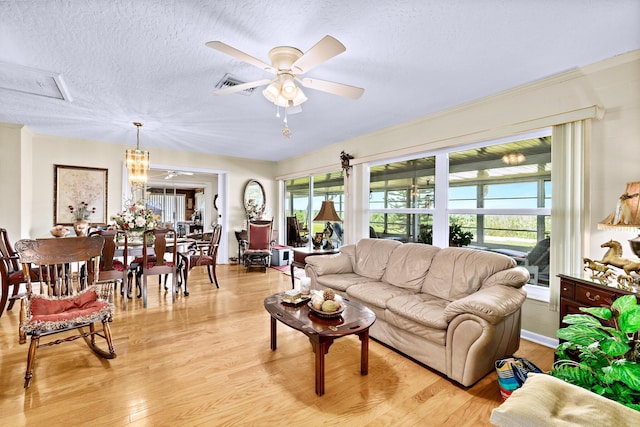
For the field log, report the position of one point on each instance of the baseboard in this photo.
(539, 339)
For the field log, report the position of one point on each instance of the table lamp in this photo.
(327, 213)
(626, 215)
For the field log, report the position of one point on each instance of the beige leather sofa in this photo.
(455, 310)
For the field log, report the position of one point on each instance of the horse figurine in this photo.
(600, 272)
(614, 257)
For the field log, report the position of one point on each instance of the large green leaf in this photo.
(614, 347)
(581, 334)
(629, 320)
(626, 372)
(624, 303)
(600, 312)
(581, 319)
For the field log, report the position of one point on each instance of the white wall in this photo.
(613, 84)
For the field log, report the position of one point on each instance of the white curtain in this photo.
(170, 207)
(569, 201)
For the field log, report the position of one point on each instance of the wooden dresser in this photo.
(578, 292)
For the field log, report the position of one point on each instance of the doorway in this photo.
(190, 198)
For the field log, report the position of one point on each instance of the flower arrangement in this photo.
(252, 209)
(136, 217)
(82, 212)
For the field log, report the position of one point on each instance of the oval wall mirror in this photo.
(254, 199)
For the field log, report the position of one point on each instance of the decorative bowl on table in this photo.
(59, 231)
(327, 314)
(326, 303)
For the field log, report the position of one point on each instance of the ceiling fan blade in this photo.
(241, 87)
(322, 51)
(232, 51)
(340, 89)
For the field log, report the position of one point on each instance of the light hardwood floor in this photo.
(205, 360)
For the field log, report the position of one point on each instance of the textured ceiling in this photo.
(146, 60)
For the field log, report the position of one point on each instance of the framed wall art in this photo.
(79, 193)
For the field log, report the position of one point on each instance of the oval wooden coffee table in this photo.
(354, 320)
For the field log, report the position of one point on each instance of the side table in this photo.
(299, 255)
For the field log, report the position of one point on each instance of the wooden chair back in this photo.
(64, 264)
(155, 262)
(111, 267)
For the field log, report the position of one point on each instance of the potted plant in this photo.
(601, 351)
(457, 235)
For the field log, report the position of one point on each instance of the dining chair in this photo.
(115, 269)
(207, 254)
(258, 247)
(154, 262)
(4, 283)
(15, 275)
(73, 301)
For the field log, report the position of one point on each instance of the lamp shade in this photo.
(137, 162)
(627, 212)
(327, 212)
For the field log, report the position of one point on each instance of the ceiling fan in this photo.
(172, 174)
(288, 64)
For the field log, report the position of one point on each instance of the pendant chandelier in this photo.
(137, 162)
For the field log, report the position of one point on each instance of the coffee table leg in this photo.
(364, 352)
(273, 334)
(320, 348)
(319, 370)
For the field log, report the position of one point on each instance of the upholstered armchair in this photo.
(258, 246)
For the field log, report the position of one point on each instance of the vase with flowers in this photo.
(81, 213)
(135, 220)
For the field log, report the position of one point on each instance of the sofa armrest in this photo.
(321, 265)
(491, 304)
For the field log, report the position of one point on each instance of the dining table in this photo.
(184, 245)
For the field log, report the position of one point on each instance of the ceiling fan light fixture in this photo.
(289, 90)
(274, 94)
(272, 91)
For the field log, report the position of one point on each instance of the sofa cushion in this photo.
(376, 293)
(417, 330)
(372, 256)
(341, 282)
(408, 264)
(421, 308)
(458, 272)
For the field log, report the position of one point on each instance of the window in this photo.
(497, 197)
(396, 191)
(304, 197)
(170, 207)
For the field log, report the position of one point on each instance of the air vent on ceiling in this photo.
(229, 81)
(32, 81)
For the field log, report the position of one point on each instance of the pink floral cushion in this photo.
(49, 313)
